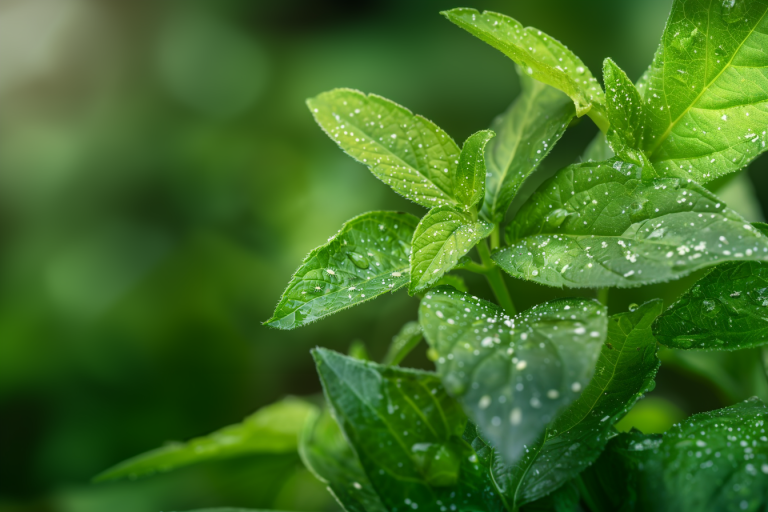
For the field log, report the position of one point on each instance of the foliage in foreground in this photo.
(520, 412)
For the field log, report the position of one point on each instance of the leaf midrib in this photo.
(672, 125)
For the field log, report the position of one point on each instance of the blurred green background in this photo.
(161, 179)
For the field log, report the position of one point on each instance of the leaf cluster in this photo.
(520, 412)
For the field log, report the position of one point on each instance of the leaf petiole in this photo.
(602, 295)
(495, 238)
(496, 280)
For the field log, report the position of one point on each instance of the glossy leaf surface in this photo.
(408, 435)
(512, 375)
(326, 453)
(539, 55)
(403, 342)
(470, 176)
(525, 134)
(624, 372)
(626, 112)
(707, 92)
(712, 462)
(369, 256)
(272, 429)
(406, 151)
(442, 237)
(726, 310)
(598, 225)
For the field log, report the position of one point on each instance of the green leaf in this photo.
(525, 134)
(454, 281)
(407, 434)
(542, 57)
(598, 225)
(470, 176)
(272, 429)
(715, 461)
(725, 310)
(565, 499)
(403, 343)
(708, 88)
(560, 443)
(442, 237)
(406, 151)
(624, 372)
(368, 257)
(626, 112)
(512, 375)
(326, 453)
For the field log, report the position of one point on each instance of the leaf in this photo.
(542, 57)
(565, 499)
(326, 453)
(407, 434)
(272, 429)
(725, 310)
(626, 112)
(403, 343)
(368, 257)
(597, 225)
(624, 372)
(470, 176)
(715, 461)
(708, 88)
(406, 151)
(512, 375)
(525, 134)
(442, 237)
(454, 281)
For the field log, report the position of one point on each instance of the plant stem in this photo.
(600, 119)
(495, 238)
(602, 296)
(475, 267)
(496, 280)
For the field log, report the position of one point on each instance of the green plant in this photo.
(520, 413)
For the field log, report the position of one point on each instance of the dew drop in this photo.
(556, 217)
(359, 260)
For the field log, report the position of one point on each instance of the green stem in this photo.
(496, 280)
(475, 267)
(495, 238)
(602, 296)
(599, 117)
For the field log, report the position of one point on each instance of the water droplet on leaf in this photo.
(359, 260)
